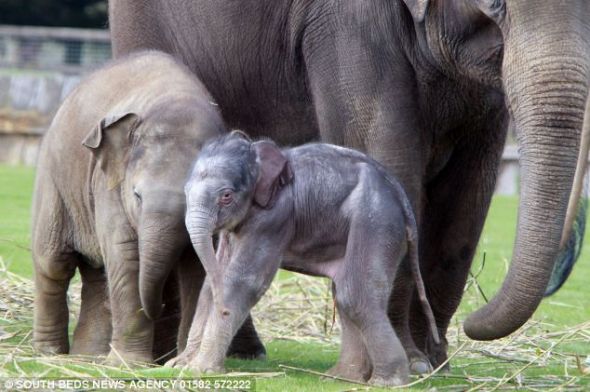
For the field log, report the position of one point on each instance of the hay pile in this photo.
(300, 308)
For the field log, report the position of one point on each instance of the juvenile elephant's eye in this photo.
(226, 197)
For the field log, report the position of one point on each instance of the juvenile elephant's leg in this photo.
(93, 331)
(52, 278)
(354, 362)
(167, 325)
(191, 276)
(133, 332)
(458, 201)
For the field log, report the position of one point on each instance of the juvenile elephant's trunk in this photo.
(162, 237)
(545, 71)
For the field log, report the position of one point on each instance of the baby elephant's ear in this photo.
(274, 172)
(109, 141)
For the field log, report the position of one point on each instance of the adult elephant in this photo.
(426, 88)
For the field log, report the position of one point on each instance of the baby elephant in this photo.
(317, 209)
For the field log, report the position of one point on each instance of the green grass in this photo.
(566, 309)
(16, 188)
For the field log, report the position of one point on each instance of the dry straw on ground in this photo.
(300, 308)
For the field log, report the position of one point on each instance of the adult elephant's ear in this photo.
(493, 9)
(109, 141)
(274, 172)
(417, 9)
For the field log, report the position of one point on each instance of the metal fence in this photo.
(67, 50)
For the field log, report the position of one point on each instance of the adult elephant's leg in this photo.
(368, 100)
(93, 331)
(133, 332)
(457, 201)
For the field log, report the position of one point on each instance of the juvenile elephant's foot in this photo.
(131, 359)
(419, 363)
(352, 372)
(52, 347)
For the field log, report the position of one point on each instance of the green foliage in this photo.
(16, 188)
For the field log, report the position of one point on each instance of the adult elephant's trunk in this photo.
(545, 75)
(162, 237)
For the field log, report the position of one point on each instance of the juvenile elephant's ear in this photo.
(109, 141)
(417, 9)
(274, 172)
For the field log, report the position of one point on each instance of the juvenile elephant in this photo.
(308, 209)
(109, 201)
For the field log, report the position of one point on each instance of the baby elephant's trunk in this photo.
(415, 267)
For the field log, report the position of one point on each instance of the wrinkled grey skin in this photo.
(309, 209)
(426, 88)
(109, 201)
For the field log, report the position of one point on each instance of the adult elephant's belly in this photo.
(263, 107)
(289, 120)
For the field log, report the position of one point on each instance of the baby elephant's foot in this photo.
(349, 372)
(205, 367)
(419, 363)
(183, 359)
(131, 359)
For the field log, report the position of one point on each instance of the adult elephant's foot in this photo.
(437, 354)
(131, 359)
(354, 372)
(419, 363)
(247, 348)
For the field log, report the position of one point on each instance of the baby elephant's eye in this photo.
(227, 196)
(136, 194)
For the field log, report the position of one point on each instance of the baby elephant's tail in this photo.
(412, 232)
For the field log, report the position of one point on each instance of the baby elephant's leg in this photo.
(354, 362)
(388, 359)
(363, 289)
